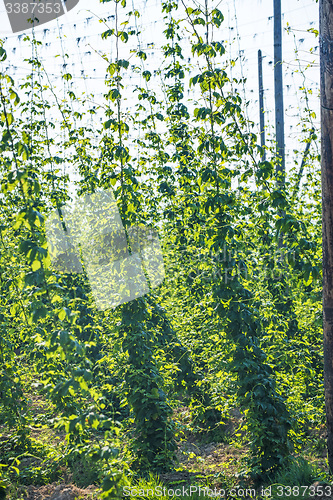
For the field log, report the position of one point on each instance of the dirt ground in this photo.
(59, 492)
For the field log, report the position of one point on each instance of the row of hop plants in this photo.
(196, 174)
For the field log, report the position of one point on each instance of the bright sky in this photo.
(248, 27)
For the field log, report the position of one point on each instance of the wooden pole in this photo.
(261, 105)
(278, 87)
(326, 77)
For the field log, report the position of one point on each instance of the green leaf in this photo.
(155, 393)
(36, 265)
(142, 55)
(3, 54)
(108, 484)
(107, 33)
(200, 21)
(122, 63)
(146, 75)
(123, 36)
(10, 118)
(62, 314)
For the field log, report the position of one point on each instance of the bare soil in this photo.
(59, 492)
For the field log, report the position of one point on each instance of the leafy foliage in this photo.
(236, 310)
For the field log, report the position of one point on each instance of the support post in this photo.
(278, 87)
(326, 82)
(261, 105)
